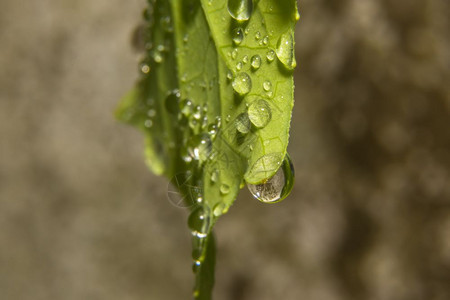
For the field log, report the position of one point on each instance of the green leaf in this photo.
(214, 101)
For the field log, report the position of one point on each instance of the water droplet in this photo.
(243, 123)
(258, 35)
(239, 66)
(278, 186)
(148, 123)
(215, 175)
(212, 130)
(224, 188)
(220, 209)
(196, 266)
(199, 222)
(197, 112)
(237, 36)
(245, 59)
(186, 107)
(259, 113)
(270, 55)
(285, 50)
(234, 53)
(151, 113)
(267, 85)
(265, 40)
(145, 68)
(229, 75)
(199, 147)
(242, 84)
(172, 102)
(256, 62)
(240, 10)
(193, 122)
(157, 56)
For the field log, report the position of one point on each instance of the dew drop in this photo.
(278, 186)
(199, 222)
(148, 123)
(224, 189)
(285, 50)
(151, 113)
(196, 266)
(229, 75)
(256, 62)
(267, 85)
(265, 40)
(240, 10)
(145, 68)
(234, 53)
(243, 123)
(242, 84)
(215, 175)
(212, 130)
(199, 147)
(258, 35)
(259, 113)
(172, 102)
(157, 56)
(239, 66)
(186, 107)
(245, 59)
(197, 112)
(270, 55)
(237, 36)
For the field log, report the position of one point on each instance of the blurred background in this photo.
(369, 217)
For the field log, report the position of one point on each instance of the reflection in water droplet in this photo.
(237, 35)
(256, 62)
(270, 55)
(242, 84)
(243, 123)
(285, 50)
(278, 186)
(240, 10)
(259, 113)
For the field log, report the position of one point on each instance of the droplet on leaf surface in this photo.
(240, 10)
(242, 84)
(259, 113)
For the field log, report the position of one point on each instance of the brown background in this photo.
(369, 218)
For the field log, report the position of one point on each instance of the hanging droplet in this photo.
(199, 222)
(240, 10)
(172, 102)
(237, 36)
(270, 55)
(220, 209)
(278, 186)
(242, 84)
(243, 123)
(224, 189)
(256, 62)
(259, 113)
(285, 50)
(267, 85)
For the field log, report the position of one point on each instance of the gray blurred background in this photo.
(369, 217)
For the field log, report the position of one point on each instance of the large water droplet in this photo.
(285, 50)
(240, 10)
(278, 186)
(242, 84)
(237, 35)
(243, 123)
(259, 113)
(256, 62)
(199, 222)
